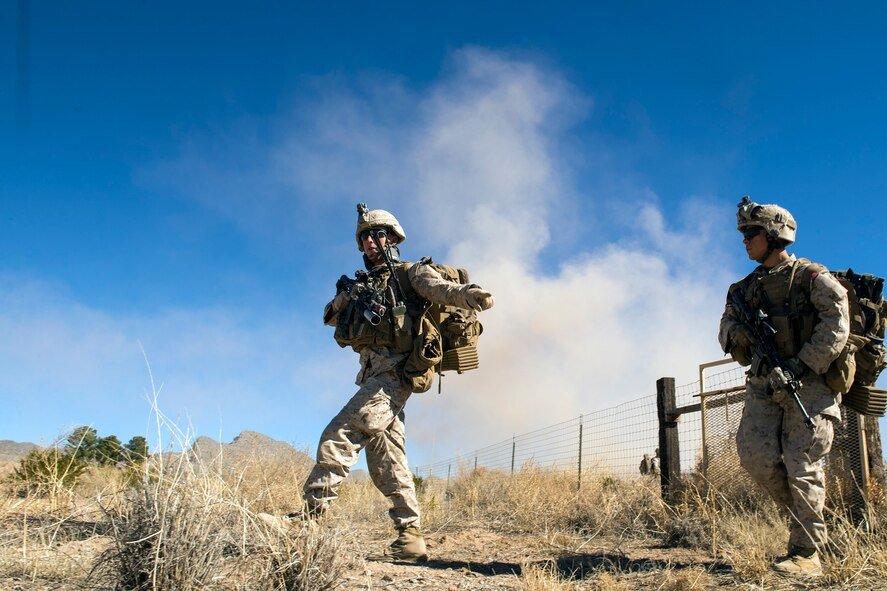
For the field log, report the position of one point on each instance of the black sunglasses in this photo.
(751, 232)
(379, 232)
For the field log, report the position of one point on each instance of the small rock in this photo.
(387, 578)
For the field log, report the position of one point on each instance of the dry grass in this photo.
(169, 523)
(538, 500)
(543, 577)
(187, 526)
(176, 524)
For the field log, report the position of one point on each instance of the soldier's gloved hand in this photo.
(340, 301)
(478, 299)
(779, 384)
(335, 306)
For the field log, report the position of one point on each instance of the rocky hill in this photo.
(13, 451)
(249, 446)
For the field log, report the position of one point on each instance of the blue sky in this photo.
(180, 178)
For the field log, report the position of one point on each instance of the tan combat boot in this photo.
(800, 562)
(284, 524)
(409, 547)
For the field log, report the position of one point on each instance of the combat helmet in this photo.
(378, 218)
(777, 222)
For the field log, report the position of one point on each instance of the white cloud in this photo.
(477, 158)
(480, 167)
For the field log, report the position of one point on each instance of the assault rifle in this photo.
(765, 348)
(400, 308)
(368, 300)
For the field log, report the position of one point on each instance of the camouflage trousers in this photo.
(373, 420)
(785, 458)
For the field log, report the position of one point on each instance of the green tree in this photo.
(137, 449)
(44, 470)
(83, 442)
(109, 450)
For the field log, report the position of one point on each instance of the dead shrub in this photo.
(187, 529)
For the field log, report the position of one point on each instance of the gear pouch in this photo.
(418, 371)
(840, 374)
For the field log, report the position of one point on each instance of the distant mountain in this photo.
(249, 446)
(13, 450)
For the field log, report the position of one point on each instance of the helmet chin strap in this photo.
(393, 254)
(772, 245)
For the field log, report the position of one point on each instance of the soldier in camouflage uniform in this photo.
(809, 310)
(374, 417)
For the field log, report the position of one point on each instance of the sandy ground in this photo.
(475, 559)
(460, 559)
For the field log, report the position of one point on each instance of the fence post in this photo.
(513, 447)
(447, 489)
(859, 465)
(579, 478)
(475, 464)
(669, 444)
(873, 444)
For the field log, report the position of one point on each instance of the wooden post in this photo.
(876, 456)
(669, 445)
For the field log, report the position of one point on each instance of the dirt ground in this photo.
(475, 559)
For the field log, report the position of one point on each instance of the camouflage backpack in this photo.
(863, 359)
(446, 336)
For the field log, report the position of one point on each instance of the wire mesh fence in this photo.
(610, 442)
(614, 441)
(723, 400)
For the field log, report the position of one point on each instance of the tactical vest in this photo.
(785, 297)
(437, 337)
(392, 332)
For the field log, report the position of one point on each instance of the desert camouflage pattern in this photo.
(777, 221)
(775, 448)
(379, 218)
(829, 298)
(373, 420)
(432, 286)
(785, 458)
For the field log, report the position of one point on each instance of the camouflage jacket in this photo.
(829, 301)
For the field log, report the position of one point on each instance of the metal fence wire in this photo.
(722, 403)
(610, 442)
(613, 442)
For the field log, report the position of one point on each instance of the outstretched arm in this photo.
(432, 286)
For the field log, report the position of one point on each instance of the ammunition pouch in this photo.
(419, 369)
(870, 360)
(840, 374)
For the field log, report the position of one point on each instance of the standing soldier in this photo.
(808, 309)
(378, 317)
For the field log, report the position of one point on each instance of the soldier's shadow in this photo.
(489, 569)
(580, 566)
(574, 567)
